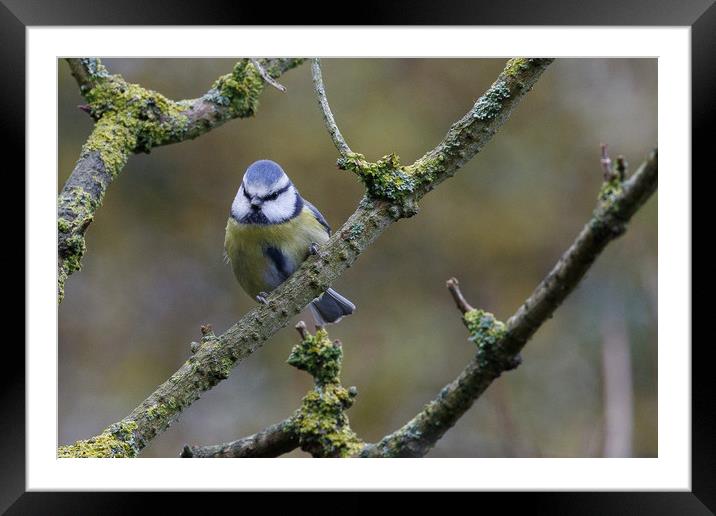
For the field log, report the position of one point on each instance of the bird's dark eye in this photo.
(271, 197)
(247, 195)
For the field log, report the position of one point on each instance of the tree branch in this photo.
(454, 288)
(393, 192)
(499, 344)
(267, 77)
(133, 119)
(328, 119)
(404, 185)
(88, 72)
(272, 441)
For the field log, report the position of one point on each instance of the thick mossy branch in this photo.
(387, 179)
(315, 275)
(320, 423)
(117, 441)
(384, 179)
(133, 119)
(104, 154)
(498, 344)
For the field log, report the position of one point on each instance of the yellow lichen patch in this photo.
(117, 441)
(321, 424)
(238, 90)
(516, 65)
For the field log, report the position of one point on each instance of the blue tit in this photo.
(271, 230)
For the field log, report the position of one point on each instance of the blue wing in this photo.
(318, 215)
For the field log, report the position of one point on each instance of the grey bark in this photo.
(272, 441)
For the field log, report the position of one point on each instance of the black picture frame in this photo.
(700, 15)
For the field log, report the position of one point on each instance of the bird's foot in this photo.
(313, 248)
(261, 298)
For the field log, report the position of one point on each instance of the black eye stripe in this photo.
(274, 195)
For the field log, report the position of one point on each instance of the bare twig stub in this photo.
(393, 191)
(454, 288)
(606, 163)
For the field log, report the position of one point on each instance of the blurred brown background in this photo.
(153, 273)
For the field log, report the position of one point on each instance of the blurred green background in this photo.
(154, 273)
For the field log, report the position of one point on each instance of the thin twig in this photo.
(453, 286)
(328, 119)
(266, 77)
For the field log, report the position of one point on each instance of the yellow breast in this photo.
(247, 244)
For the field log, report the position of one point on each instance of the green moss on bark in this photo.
(117, 441)
(610, 190)
(238, 90)
(387, 179)
(487, 332)
(318, 356)
(321, 424)
(131, 119)
(516, 65)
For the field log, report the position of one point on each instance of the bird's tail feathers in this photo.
(330, 307)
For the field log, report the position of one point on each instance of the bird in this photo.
(271, 230)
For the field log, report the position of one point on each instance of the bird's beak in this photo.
(256, 202)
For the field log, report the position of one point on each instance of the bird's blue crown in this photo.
(263, 172)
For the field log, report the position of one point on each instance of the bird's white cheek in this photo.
(240, 207)
(281, 208)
